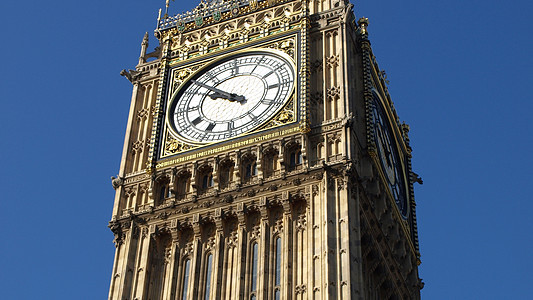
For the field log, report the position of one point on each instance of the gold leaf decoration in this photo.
(285, 116)
(173, 146)
(286, 46)
(180, 76)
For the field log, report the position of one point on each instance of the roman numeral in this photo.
(268, 74)
(196, 121)
(253, 117)
(235, 67)
(188, 109)
(210, 127)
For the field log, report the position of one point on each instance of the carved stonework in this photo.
(232, 239)
(316, 66)
(301, 289)
(333, 61)
(214, 203)
(341, 184)
(285, 116)
(301, 222)
(117, 182)
(179, 76)
(210, 244)
(287, 46)
(255, 232)
(333, 93)
(138, 146)
(143, 113)
(315, 190)
(278, 226)
(173, 146)
(131, 75)
(187, 249)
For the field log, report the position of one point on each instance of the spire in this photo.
(144, 46)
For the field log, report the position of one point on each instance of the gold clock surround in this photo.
(288, 114)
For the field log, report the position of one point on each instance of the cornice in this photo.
(212, 12)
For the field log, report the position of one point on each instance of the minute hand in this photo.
(218, 93)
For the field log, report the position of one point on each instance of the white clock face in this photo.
(232, 96)
(389, 156)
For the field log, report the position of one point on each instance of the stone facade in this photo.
(298, 208)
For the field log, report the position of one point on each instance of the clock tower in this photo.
(263, 159)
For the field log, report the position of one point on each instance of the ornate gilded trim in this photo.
(207, 14)
(288, 114)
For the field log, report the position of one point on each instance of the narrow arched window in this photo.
(278, 262)
(205, 181)
(225, 174)
(270, 162)
(208, 271)
(204, 178)
(251, 170)
(253, 284)
(162, 193)
(295, 159)
(182, 184)
(277, 275)
(186, 278)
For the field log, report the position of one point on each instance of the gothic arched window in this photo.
(208, 272)
(163, 190)
(182, 184)
(270, 162)
(254, 265)
(185, 282)
(205, 178)
(249, 168)
(294, 157)
(225, 173)
(277, 255)
(207, 181)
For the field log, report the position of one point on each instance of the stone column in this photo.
(286, 249)
(264, 252)
(170, 281)
(195, 259)
(218, 258)
(139, 283)
(238, 289)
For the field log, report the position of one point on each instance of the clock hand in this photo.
(220, 93)
(227, 96)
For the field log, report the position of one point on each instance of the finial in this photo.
(145, 39)
(363, 24)
(167, 4)
(144, 46)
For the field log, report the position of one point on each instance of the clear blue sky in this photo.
(460, 75)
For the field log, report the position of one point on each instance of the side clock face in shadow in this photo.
(232, 96)
(388, 155)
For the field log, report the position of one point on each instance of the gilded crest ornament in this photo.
(253, 4)
(286, 46)
(181, 26)
(235, 10)
(217, 16)
(199, 21)
(173, 146)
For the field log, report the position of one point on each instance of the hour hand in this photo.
(229, 96)
(217, 93)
